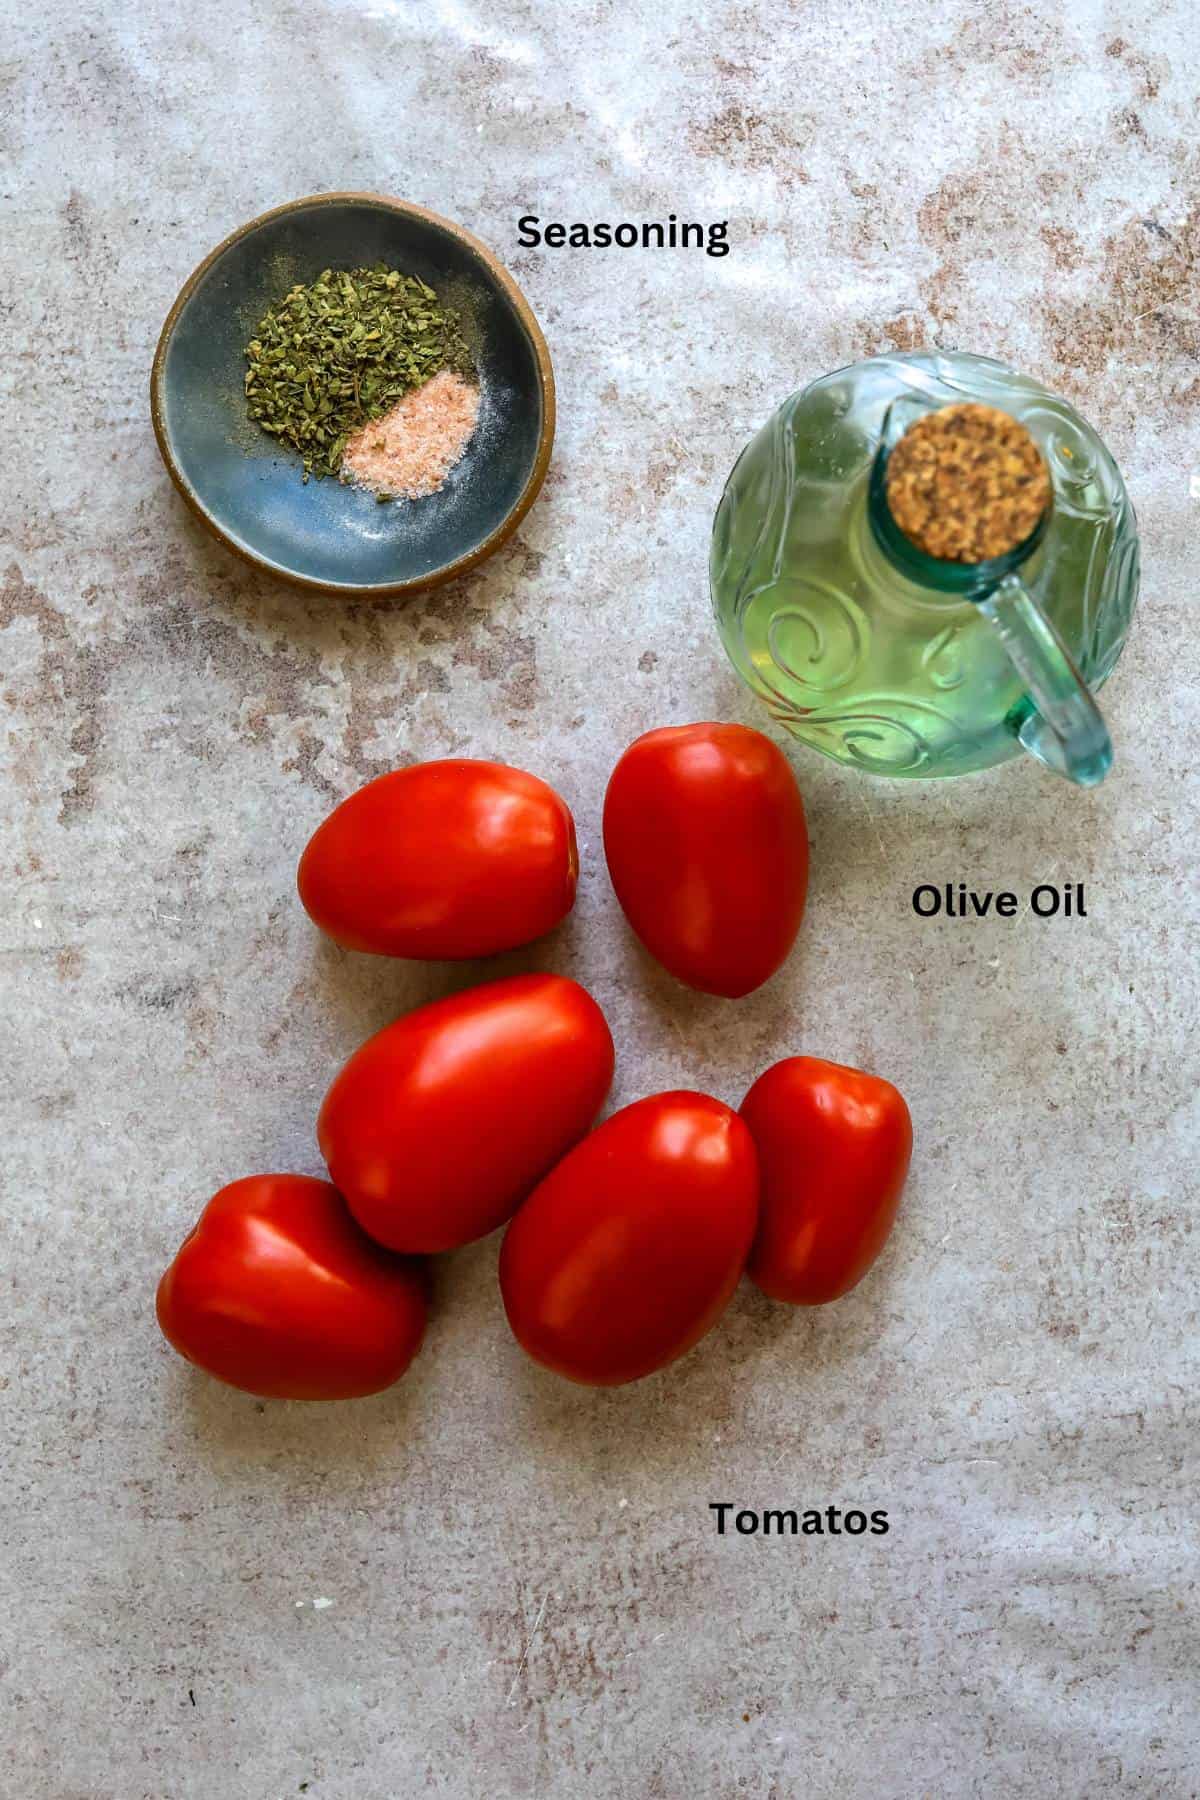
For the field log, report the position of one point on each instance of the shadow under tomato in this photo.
(360, 993)
(671, 1417)
(296, 1440)
(303, 1441)
(719, 1039)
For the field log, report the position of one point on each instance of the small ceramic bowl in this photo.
(324, 534)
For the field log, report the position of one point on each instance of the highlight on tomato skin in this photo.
(707, 848)
(629, 1250)
(450, 859)
(834, 1146)
(276, 1291)
(440, 1124)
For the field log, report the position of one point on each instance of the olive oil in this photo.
(860, 658)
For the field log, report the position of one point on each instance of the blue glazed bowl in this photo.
(323, 534)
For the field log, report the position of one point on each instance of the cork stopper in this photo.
(967, 483)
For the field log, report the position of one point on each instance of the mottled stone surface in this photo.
(526, 1594)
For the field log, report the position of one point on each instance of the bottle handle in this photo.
(1062, 727)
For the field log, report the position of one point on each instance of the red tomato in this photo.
(277, 1291)
(707, 848)
(834, 1146)
(629, 1250)
(446, 859)
(439, 1126)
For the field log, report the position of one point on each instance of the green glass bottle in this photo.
(888, 659)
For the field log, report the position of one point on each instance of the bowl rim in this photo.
(545, 371)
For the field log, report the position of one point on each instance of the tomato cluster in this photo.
(623, 1243)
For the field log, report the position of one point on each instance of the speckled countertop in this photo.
(488, 1583)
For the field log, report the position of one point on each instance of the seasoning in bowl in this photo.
(367, 377)
(409, 452)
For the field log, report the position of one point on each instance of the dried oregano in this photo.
(342, 351)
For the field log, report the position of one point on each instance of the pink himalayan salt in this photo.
(410, 451)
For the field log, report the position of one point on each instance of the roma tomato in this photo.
(277, 1291)
(446, 859)
(439, 1126)
(628, 1251)
(708, 852)
(834, 1147)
